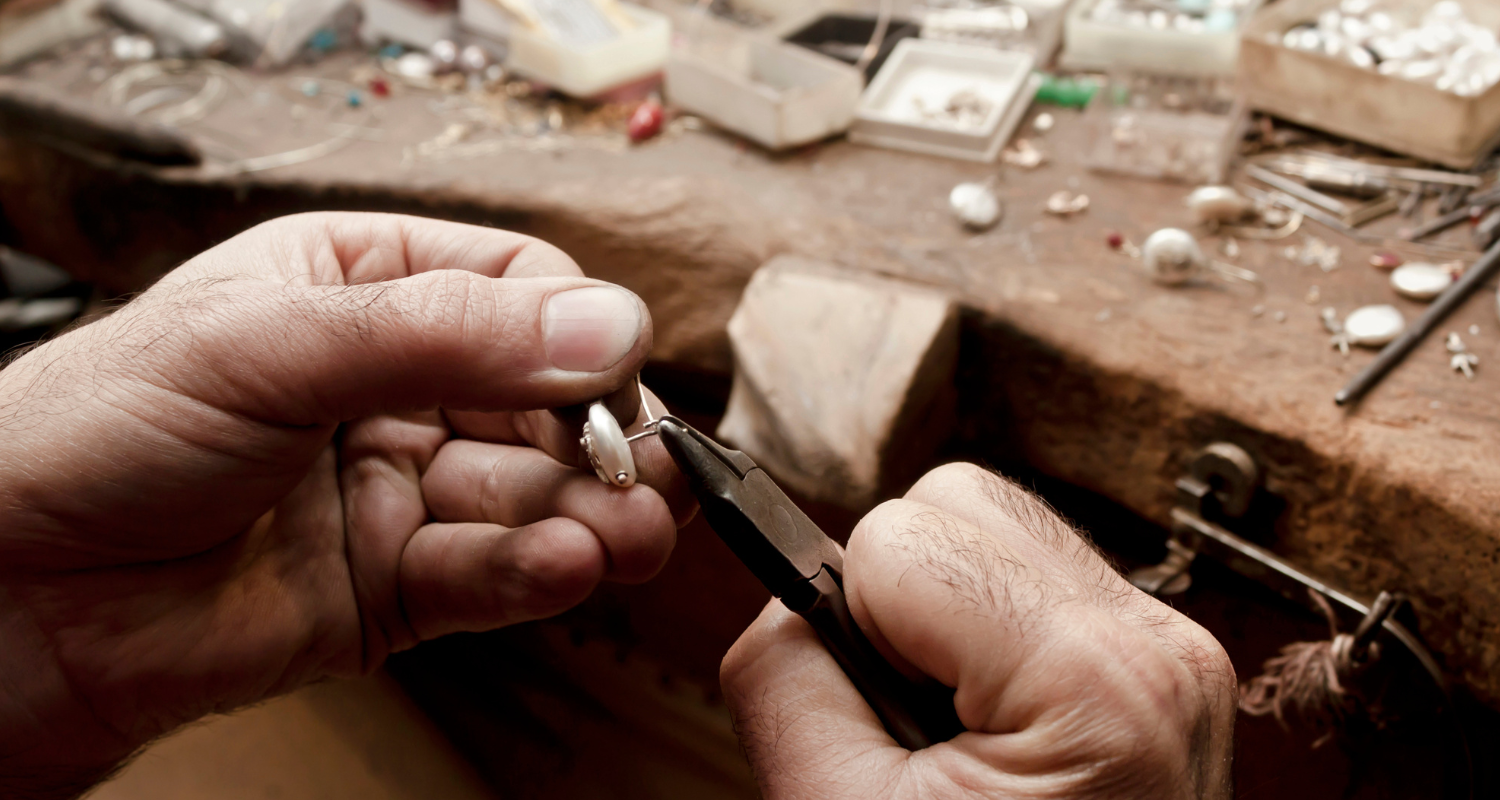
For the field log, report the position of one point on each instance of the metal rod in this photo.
(1383, 170)
(1450, 299)
(1297, 190)
(1481, 201)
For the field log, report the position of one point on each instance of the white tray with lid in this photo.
(943, 99)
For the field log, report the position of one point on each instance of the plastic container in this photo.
(1164, 127)
(1040, 37)
(485, 18)
(910, 104)
(775, 94)
(590, 70)
(1090, 44)
(405, 22)
(1406, 117)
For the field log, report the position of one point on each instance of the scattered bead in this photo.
(1462, 360)
(1115, 240)
(1043, 122)
(355, 99)
(1172, 256)
(975, 205)
(1385, 259)
(311, 88)
(380, 87)
(1065, 204)
(473, 59)
(1218, 204)
(646, 121)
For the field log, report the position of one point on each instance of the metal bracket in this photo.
(1222, 479)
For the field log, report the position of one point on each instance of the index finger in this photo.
(331, 248)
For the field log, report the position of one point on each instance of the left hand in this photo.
(313, 445)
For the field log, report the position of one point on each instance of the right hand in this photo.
(1071, 682)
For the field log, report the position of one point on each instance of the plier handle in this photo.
(801, 565)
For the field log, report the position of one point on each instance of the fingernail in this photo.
(590, 330)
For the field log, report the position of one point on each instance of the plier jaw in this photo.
(768, 532)
(800, 565)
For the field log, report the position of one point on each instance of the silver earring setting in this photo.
(607, 446)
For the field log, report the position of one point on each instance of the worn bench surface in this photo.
(1071, 359)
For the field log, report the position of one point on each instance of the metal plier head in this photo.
(764, 528)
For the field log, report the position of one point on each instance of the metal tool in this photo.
(1473, 278)
(803, 567)
(1221, 484)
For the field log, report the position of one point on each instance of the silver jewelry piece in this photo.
(1368, 326)
(1462, 360)
(1172, 257)
(607, 446)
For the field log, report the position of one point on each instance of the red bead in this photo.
(646, 121)
(380, 87)
(1385, 259)
(1116, 240)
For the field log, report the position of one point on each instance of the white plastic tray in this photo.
(775, 94)
(1092, 45)
(922, 74)
(590, 70)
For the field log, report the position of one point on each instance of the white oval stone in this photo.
(607, 449)
(1374, 326)
(975, 205)
(1218, 204)
(1172, 256)
(1420, 281)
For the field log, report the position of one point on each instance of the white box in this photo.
(775, 94)
(922, 74)
(1403, 116)
(1089, 44)
(590, 70)
(486, 18)
(405, 23)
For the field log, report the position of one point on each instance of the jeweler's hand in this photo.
(299, 452)
(1072, 683)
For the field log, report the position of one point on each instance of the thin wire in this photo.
(651, 420)
(877, 37)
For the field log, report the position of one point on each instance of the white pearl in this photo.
(1420, 281)
(975, 205)
(1218, 204)
(1172, 256)
(608, 452)
(1374, 326)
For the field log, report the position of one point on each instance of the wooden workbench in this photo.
(1072, 361)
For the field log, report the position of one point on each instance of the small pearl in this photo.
(975, 205)
(1172, 256)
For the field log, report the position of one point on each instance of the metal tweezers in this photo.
(798, 563)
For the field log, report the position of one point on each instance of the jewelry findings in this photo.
(1172, 257)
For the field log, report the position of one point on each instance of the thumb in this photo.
(310, 355)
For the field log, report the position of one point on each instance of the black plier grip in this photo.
(798, 563)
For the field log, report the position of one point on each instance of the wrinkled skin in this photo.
(312, 446)
(324, 441)
(1072, 683)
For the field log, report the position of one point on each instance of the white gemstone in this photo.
(1374, 326)
(975, 205)
(1218, 204)
(1420, 281)
(607, 449)
(1172, 256)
